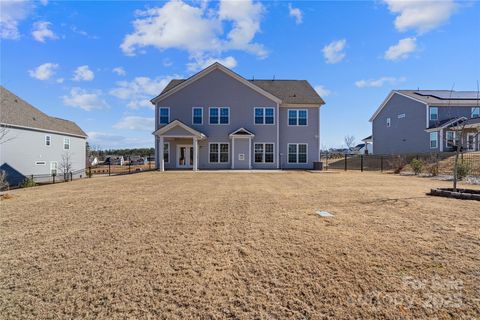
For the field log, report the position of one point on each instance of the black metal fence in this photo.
(117, 169)
(49, 178)
(435, 163)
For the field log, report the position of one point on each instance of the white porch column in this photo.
(160, 156)
(441, 140)
(195, 154)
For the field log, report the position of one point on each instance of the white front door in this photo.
(184, 156)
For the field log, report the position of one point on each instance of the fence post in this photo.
(109, 167)
(129, 163)
(89, 172)
(149, 162)
(71, 176)
(381, 163)
(361, 163)
(345, 162)
(53, 176)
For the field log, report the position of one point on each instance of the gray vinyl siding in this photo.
(218, 89)
(28, 146)
(299, 134)
(405, 135)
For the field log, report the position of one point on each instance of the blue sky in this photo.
(98, 63)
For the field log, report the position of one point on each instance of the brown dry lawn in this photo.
(183, 245)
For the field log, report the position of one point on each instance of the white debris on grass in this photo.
(324, 214)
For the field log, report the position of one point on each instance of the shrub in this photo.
(432, 169)
(417, 166)
(28, 182)
(463, 170)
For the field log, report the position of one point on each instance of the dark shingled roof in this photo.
(289, 91)
(428, 97)
(16, 112)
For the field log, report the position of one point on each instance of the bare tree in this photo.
(4, 134)
(349, 142)
(66, 164)
(3, 180)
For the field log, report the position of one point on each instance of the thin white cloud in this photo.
(421, 15)
(334, 51)
(200, 62)
(83, 73)
(401, 50)
(295, 13)
(107, 140)
(41, 31)
(119, 71)
(60, 80)
(377, 83)
(44, 71)
(136, 123)
(11, 14)
(208, 31)
(85, 99)
(322, 91)
(140, 90)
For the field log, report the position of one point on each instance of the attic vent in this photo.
(16, 100)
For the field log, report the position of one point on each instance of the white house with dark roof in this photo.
(216, 119)
(33, 143)
(426, 121)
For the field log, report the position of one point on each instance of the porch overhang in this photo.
(241, 133)
(178, 129)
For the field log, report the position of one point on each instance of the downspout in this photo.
(319, 147)
(278, 135)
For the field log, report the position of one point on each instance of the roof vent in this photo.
(16, 100)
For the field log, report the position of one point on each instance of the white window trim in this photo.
(219, 124)
(389, 122)
(471, 147)
(430, 113)
(477, 109)
(263, 157)
(64, 143)
(55, 167)
(193, 116)
(436, 135)
(454, 138)
(264, 116)
(219, 143)
(297, 117)
(168, 151)
(50, 140)
(40, 163)
(288, 148)
(159, 115)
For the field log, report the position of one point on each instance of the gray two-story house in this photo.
(217, 119)
(34, 143)
(426, 121)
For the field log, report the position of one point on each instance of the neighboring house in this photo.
(368, 145)
(114, 160)
(137, 160)
(35, 143)
(361, 148)
(425, 121)
(217, 119)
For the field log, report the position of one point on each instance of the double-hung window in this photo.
(450, 136)
(218, 152)
(476, 112)
(48, 141)
(297, 117)
(264, 153)
(166, 152)
(66, 143)
(264, 115)
(297, 153)
(219, 115)
(164, 115)
(389, 122)
(433, 140)
(197, 115)
(433, 112)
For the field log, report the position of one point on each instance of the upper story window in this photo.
(476, 112)
(433, 113)
(389, 122)
(66, 143)
(297, 117)
(219, 115)
(433, 140)
(164, 114)
(264, 115)
(48, 141)
(197, 115)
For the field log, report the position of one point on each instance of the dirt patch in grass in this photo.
(247, 245)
